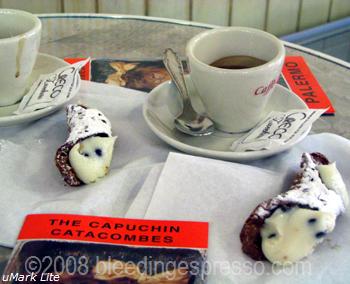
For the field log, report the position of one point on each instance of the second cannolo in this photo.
(288, 227)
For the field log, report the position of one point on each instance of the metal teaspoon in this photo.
(189, 121)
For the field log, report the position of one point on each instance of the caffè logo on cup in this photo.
(264, 90)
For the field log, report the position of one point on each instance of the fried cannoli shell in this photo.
(250, 235)
(76, 135)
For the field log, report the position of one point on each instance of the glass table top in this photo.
(140, 38)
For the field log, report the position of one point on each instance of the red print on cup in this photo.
(264, 90)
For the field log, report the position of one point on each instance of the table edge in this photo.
(318, 54)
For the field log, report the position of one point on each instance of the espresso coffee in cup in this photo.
(238, 62)
(235, 70)
(19, 45)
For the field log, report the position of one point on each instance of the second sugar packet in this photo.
(278, 128)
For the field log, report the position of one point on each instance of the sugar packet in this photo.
(279, 128)
(52, 89)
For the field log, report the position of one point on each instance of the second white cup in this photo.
(19, 45)
(235, 98)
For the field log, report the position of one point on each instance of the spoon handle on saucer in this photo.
(175, 69)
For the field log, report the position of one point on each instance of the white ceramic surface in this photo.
(164, 103)
(19, 45)
(44, 64)
(235, 98)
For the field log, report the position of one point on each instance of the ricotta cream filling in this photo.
(288, 236)
(92, 157)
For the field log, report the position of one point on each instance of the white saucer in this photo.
(44, 64)
(163, 104)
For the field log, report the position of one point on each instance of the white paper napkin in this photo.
(223, 193)
(141, 202)
(188, 187)
(31, 183)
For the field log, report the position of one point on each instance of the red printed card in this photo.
(301, 81)
(296, 75)
(134, 232)
(89, 249)
(85, 72)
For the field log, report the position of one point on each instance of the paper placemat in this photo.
(223, 193)
(140, 185)
(31, 183)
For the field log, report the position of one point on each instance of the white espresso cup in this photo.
(235, 98)
(19, 44)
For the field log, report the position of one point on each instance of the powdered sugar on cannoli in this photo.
(310, 191)
(85, 122)
(86, 155)
(288, 227)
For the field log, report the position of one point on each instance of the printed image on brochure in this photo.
(87, 249)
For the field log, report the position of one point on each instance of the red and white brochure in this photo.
(121, 231)
(299, 78)
(85, 71)
(65, 248)
(296, 75)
